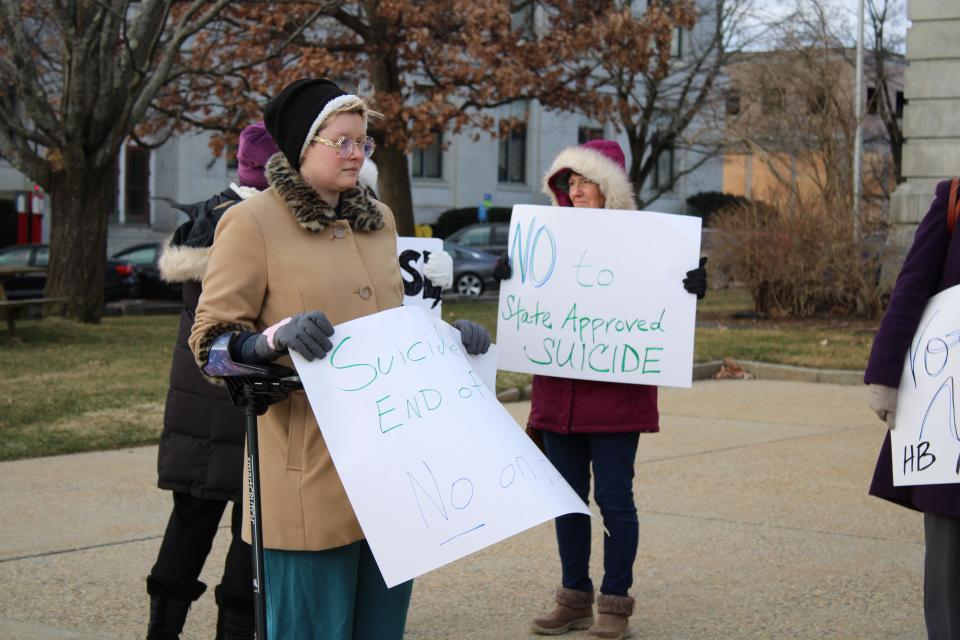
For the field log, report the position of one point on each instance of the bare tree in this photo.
(798, 99)
(443, 66)
(800, 249)
(887, 42)
(673, 104)
(76, 78)
(80, 77)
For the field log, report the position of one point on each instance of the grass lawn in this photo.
(67, 387)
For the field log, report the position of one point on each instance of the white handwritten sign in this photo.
(418, 290)
(598, 294)
(925, 443)
(434, 466)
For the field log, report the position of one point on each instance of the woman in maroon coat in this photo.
(932, 265)
(585, 421)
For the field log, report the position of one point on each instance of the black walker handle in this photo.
(255, 391)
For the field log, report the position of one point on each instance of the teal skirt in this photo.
(336, 594)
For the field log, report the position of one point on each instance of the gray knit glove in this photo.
(306, 333)
(475, 337)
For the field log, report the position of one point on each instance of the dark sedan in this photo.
(120, 279)
(144, 259)
(472, 269)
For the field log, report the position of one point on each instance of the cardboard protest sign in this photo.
(434, 466)
(925, 444)
(418, 290)
(597, 294)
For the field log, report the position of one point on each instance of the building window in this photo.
(428, 163)
(663, 169)
(899, 105)
(817, 101)
(137, 185)
(733, 102)
(513, 149)
(586, 133)
(522, 20)
(676, 43)
(773, 99)
(231, 156)
(872, 108)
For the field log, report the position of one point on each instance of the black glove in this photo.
(696, 280)
(475, 337)
(306, 333)
(502, 270)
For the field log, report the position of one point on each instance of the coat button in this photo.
(366, 292)
(339, 233)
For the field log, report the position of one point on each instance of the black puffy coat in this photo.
(201, 447)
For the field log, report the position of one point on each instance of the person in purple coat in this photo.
(932, 265)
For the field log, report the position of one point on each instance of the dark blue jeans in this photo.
(612, 455)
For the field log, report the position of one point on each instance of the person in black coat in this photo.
(931, 265)
(201, 447)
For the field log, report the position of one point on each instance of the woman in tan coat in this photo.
(308, 253)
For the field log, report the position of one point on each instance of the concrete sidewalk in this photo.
(754, 523)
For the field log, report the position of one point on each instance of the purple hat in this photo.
(601, 161)
(256, 147)
(610, 149)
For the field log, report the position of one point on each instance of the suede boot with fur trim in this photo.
(614, 613)
(574, 610)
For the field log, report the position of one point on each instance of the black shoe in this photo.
(169, 604)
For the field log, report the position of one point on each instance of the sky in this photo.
(843, 13)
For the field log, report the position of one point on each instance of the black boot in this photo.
(235, 616)
(169, 603)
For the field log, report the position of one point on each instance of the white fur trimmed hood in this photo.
(593, 165)
(179, 263)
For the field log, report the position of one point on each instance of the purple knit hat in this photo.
(601, 161)
(256, 147)
(610, 149)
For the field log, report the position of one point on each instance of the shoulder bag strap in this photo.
(953, 207)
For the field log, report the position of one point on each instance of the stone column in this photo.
(931, 117)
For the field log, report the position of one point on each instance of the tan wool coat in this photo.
(275, 255)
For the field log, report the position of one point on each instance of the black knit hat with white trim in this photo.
(294, 116)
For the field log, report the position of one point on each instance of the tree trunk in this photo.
(394, 187)
(80, 199)
(394, 174)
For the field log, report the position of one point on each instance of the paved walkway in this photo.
(755, 523)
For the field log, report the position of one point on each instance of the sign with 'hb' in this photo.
(925, 443)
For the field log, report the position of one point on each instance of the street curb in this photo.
(757, 370)
(769, 371)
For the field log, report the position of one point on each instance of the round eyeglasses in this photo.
(345, 145)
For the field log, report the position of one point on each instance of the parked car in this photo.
(483, 236)
(472, 269)
(120, 278)
(144, 258)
